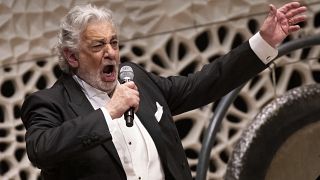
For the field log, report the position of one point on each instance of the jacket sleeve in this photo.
(214, 80)
(51, 138)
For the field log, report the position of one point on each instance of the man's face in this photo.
(98, 58)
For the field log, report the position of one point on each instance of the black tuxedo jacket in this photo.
(69, 140)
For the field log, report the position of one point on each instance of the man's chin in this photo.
(109, 87)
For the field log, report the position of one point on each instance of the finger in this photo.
(136, 109)
(272, 14)
(284, 9)
(136, 105)
(293, 28)
(134, 102)
(131, 85)
(295, 12)
(273, 10)
(297, 20)
(134, 92)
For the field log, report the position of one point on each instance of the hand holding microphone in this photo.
(125, 98)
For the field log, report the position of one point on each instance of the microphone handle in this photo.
(129, 114)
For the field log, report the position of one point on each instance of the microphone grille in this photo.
(126, 72)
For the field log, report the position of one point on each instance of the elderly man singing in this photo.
(77, 128)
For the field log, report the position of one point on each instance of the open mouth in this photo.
(109, 73)
(108, 70)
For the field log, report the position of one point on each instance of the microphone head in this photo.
(126, 73)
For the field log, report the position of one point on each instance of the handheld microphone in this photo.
(126, 75)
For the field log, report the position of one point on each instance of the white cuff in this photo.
(111, 124)
(262, 49)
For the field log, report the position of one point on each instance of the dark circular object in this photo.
(282, 141)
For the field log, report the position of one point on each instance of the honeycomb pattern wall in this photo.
(167, 38)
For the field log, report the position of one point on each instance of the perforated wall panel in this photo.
(166, 37)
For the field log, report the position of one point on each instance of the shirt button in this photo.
(139, 178)
(129, 143)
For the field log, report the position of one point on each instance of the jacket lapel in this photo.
(78, 101)
(81, 106)
(147, 118)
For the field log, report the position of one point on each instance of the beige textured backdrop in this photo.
(166, 37)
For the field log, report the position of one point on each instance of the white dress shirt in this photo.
(134, 145)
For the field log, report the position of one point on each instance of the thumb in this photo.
(272, 10)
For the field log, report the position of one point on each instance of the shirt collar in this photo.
(88, 89)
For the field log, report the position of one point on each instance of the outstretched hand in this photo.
(281, 22)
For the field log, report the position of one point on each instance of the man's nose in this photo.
(109, 51)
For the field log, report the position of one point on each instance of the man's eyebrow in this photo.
(102, 39)
(97, 40)
(114, 37)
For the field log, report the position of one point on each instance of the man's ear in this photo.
(71, 58)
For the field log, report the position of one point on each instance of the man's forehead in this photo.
(100, 30)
